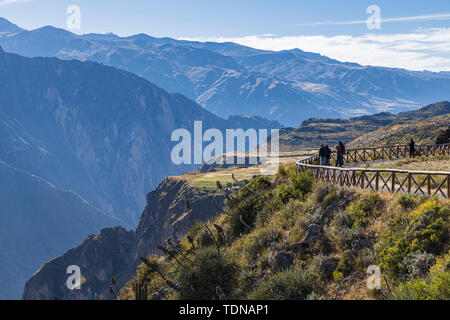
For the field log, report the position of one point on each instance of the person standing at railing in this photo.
(327, 155)
(412, 149)
(322, 154)
(340, 154)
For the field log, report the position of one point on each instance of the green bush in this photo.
(294, 284)
(208, 270)
(246, 205)
(287, 171)
(425, 230)
(287, 192)
(303, 182)
(255, 242)
(338, 275)
(318, 267)
(329, 198)
(418, 263)
(345, 232)
(365, 209)
(323, 190)
(407, 201)
(346, 263)
(260, 183)
(436, 286)
(366, 257)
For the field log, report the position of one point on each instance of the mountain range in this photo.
(226, 78)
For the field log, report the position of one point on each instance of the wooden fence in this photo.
(415, 182)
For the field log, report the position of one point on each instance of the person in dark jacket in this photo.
(322, 154)
(340, 154)
(327, 155)
(412, 149)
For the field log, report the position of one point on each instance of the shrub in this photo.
(365, 209)
(344, 220)
(425, 230)
(323, 190)
(287, 171)
(208, 270)
(344, 232)
(246, 209)
(260, 183)
(329, 198)
(288, 215)
(303, 182)
(407, 201)
(257, 241)
(294, 284)
(435, 287)
(418, 263)
(366, 257)
(318, 266)
(204, 237)
(337, 275)
(346, 263)
(286, 193)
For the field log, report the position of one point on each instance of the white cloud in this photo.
(423, 49)
(5, 2)
(428, 17)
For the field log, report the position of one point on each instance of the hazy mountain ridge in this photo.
(226, 78)
(38, 222)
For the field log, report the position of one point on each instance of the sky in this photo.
(410, 34)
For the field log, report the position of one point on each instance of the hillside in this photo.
(226, 78)
(424, 127)
(289, 238)
(314, 132)
(37, 223)
(378, 129)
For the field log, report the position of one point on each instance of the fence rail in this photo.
(391, 180)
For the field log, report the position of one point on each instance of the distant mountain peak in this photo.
(7, 26)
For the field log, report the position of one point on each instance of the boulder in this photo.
(331, 266)
(298, 248)
(314, 232)
(283, 260)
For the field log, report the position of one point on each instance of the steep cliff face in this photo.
(116, 252)
(108, 254)
(167, 213)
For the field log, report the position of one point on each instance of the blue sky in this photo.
(414, 34)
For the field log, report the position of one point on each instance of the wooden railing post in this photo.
(409, 183)
(393, 182)
(448, 186)
(429, 183)
(377, 180)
